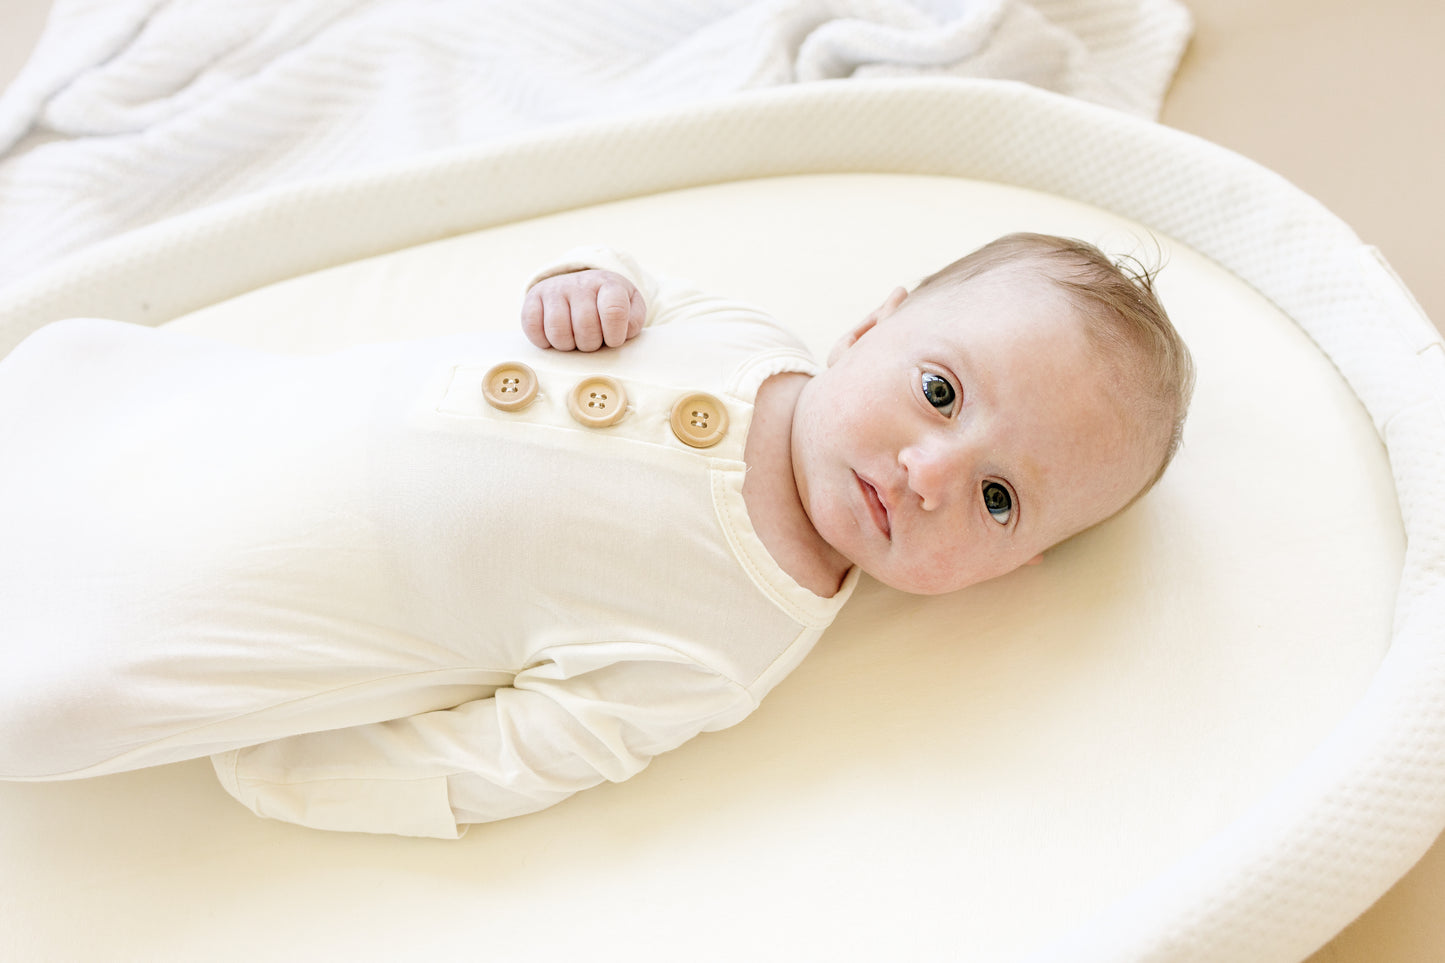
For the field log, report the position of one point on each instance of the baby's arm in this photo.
(592, 713)
(583, 310)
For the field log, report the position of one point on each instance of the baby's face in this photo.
(956, 435)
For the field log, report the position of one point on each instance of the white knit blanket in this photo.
(131, 111)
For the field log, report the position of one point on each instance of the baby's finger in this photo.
(613, 309)
(636, 314)
(557, 320)
(532, 319)
(586, 327)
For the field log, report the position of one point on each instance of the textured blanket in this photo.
(131, 111)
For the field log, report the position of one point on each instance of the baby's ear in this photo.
(890, 304)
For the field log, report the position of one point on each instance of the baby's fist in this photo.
(582, 310)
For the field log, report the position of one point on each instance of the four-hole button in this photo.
(597, 401)
(510, 386)
(699, 420)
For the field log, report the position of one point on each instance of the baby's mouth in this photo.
(876, 508)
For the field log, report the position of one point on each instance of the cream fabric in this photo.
(1207, 730)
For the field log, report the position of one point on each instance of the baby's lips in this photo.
(877, 508)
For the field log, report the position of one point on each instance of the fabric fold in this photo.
(132, 111)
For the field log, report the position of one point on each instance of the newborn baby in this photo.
(402, 588)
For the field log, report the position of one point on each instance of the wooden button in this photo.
(699, 420)
(597, 401)
(510, 386)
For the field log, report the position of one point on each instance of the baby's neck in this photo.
(770, 492)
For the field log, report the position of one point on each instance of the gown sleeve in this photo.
(591, 713)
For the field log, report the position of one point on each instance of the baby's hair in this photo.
(1127, 323)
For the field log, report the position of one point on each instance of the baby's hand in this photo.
(582, 310)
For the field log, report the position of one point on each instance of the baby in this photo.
(403, 588)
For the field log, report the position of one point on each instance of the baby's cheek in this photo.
(928, 576)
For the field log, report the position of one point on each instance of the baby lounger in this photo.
(1212, 729)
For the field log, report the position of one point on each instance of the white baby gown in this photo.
(380, 601)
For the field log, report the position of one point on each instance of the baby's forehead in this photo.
(1034, 281)
(1037, 305)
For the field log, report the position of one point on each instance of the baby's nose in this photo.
(934, 471)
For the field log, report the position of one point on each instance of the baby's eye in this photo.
(938, 392)
(997, 500)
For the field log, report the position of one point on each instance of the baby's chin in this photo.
(914, 584)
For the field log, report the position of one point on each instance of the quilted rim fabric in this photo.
(1343, 826)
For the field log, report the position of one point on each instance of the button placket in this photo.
(697, 419)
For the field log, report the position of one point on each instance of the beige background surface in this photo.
(1349, 104)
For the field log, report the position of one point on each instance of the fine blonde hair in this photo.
(1125, 321)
